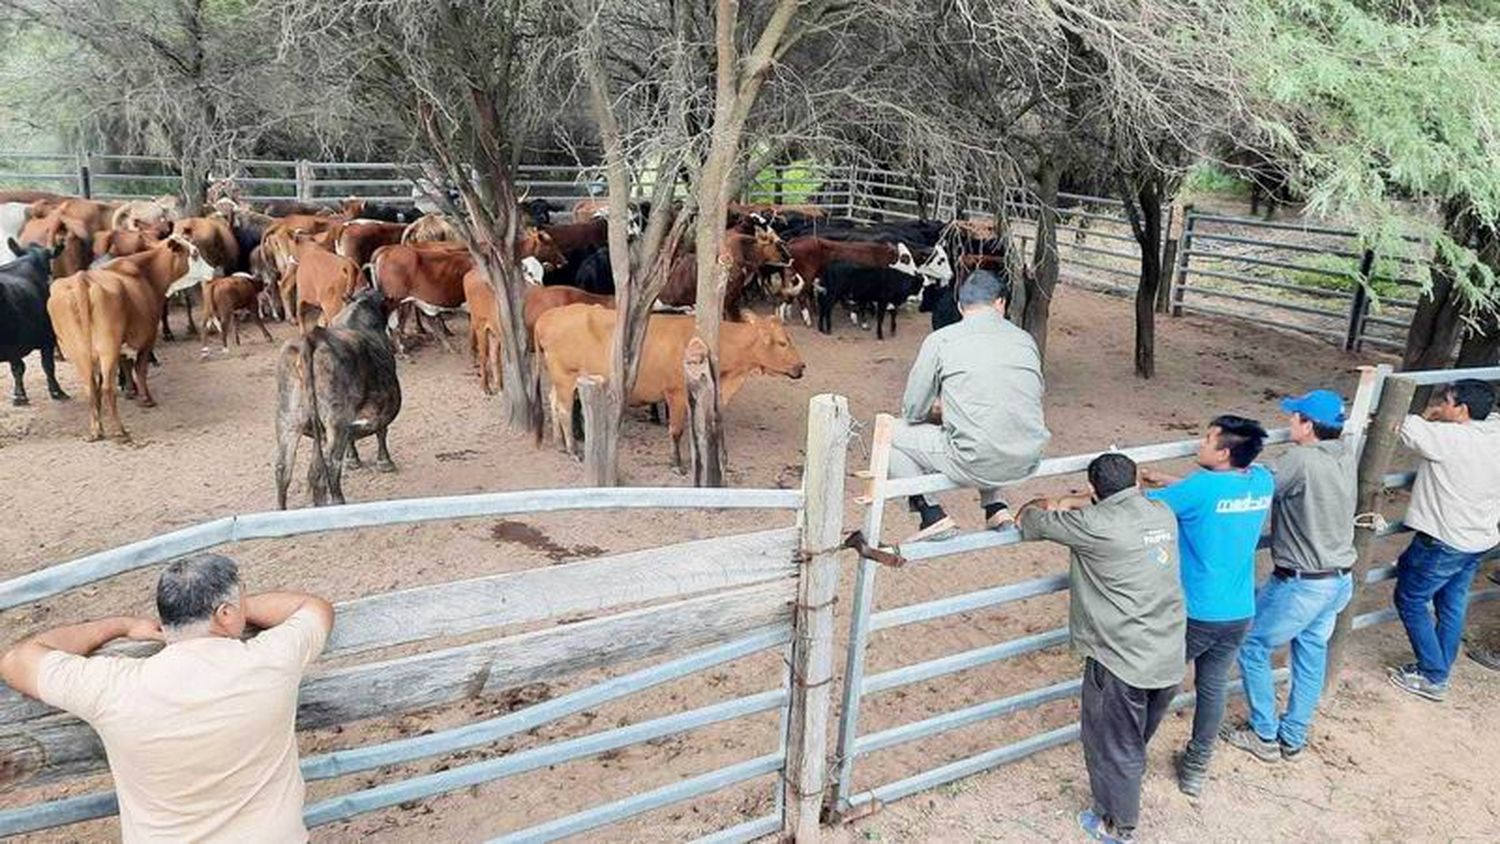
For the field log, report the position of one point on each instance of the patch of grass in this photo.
(1209, 178)
(1347, 275)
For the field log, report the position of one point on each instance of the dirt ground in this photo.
(1383, 767)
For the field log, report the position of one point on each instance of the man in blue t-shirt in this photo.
(1221, 510)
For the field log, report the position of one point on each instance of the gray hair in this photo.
(190, 589)
(983, 287)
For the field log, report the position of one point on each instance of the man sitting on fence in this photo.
(1312, 547)
(1221, 510)
(199, 736)
(972, 409)
(1454, 509)
(1126, 619)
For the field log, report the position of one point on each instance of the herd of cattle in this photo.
(95, 280)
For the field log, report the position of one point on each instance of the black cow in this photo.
(339, 382)
(595, 273)
(385, 213)
(879, 288)
(24, 324)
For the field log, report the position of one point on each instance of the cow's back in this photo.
(24, 323)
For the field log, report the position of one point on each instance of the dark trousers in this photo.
(1211, 647)
(1118, 720)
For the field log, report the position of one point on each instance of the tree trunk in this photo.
(601, 422)
(1438, 321)
(703, 422)
(1043, 278)
(1145, 223)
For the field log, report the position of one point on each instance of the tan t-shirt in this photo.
(200, 736)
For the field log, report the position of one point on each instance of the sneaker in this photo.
(1000, 519)
(1413, 682)
(1245, 738)
(1495, 575)
(1483, 655)
(1289, 753)
(944, 528)
(1098, 829)
(1192, 773)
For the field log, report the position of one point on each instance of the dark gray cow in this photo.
(24, 324)
(337, 383)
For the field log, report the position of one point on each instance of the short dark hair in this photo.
(190, 589)
(1322, 431)
(1109, 473)
(1476, 395)
(1243, 437)
(983, 287)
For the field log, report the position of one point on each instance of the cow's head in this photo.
(532, 270)
(35, 253)
(364, 309)
(773, 350)
(904, 262)
(352, 208)
(67, 238)
(937, 269)
(770, 249)
(187, 262)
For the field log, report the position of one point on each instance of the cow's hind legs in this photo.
(340, 442)
(49, 367)
(351, 460)
(383, 461)
(17, 377)
(142, 364)
(287, 435)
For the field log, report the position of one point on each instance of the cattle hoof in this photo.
(385, 466)
(93, 438)
(20, 401)
(147, 402)
(59, 395)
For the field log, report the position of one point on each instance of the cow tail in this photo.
(310, 397)
(534, 389)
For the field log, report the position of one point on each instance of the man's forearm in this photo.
(83, 639)
(269, 609)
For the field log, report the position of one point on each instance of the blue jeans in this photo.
(1301, 612)
(1433, 573)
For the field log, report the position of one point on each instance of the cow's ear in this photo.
(749, 316)
(78, 229)
(14, 247)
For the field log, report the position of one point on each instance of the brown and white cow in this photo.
(742, 254)
(577, 340)
(811, 254)
(425, 276)
(101, 315)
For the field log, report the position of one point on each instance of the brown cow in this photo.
(95, 216)
(743, 254)
(739, 209)
(117, 243)
(429, 228)
(426, 276)
(574, 237)
(359, 239)
(146, 213)
(540, 300)
(320, 279)
(101, 315)
(71, 241)
(214, 237)
(224, 300)
(29, 196)
(577, 340)
(586, 210)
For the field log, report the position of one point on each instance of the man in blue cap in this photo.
(1312, 547)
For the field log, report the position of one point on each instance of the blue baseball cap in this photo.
(1324, 407)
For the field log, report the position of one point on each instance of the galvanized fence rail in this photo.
(852, 746)
(1315, 279)
(703, 604)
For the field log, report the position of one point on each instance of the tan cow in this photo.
(71, 241)
(104, 314)
(224, 301)
(576, 340)
(321, 280)
(146, 213)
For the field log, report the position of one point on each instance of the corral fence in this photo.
(853, 797)
(703, 604)
(1316, 279)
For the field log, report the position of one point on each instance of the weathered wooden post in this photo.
(304, 181)
(806, 779)
(702, 392)
(600, 431)
(1374, 461)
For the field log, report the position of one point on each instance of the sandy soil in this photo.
(206, 452)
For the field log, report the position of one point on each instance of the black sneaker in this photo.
(1245, 738)
(1192, 773)
(1289, 753)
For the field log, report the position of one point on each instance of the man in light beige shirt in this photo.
(200, 736)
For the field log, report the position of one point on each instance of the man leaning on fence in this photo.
(1312, 549)
(200, 736)
(1221, 510)
(972, 409)
(1126, 619)
(1454, 509)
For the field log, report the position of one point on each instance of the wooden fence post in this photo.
(806, 778)
(1184, 247)
(600, 431)
(702, 392)
(1359, 306)
(1374, 461)
(304, 180)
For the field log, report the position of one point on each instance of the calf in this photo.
(321, 280)
(339, 383)
(742, 255)
(224, 300)
(877, 288)
(24, 324)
